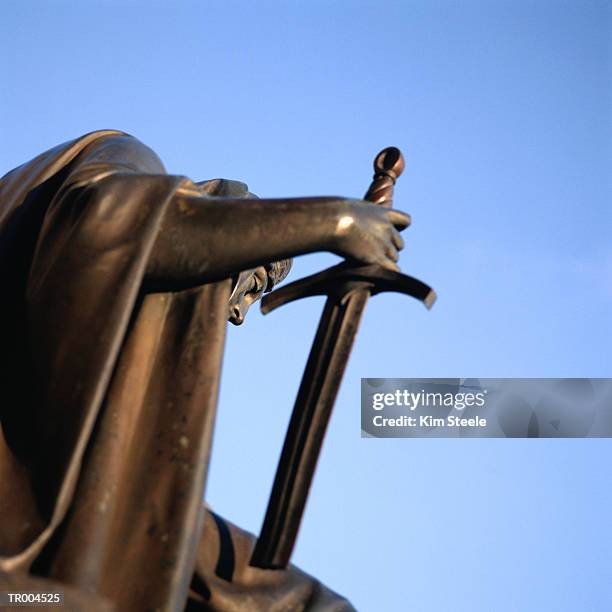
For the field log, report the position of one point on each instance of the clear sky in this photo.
(503, 110)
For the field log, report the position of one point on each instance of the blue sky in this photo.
(503, 111)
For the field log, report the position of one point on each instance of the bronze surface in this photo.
(118, 280)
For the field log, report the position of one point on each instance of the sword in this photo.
(348, 288)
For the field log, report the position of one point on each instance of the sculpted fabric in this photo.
(109, 395)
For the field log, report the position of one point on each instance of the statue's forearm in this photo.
(203, 239)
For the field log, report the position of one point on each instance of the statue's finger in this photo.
(397, 240)
(391, 266)
(392, 253)
(400, 220)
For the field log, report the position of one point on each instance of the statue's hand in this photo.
(371, 234)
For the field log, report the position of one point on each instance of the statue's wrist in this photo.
(344, 223)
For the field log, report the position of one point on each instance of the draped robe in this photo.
(109, 395)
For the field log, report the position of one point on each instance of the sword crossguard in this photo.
(340, 281)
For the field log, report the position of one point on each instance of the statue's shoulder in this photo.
(112, 148)
(71, 148)
(118, 150)
(96, 134)
(59, 155)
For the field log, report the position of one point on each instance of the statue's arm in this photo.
(205, 238)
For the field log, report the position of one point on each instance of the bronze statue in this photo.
(117, 279)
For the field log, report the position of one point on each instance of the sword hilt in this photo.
(388, 165)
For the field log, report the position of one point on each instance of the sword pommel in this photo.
(388, 165)
(389, 161)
